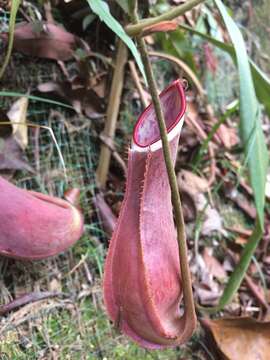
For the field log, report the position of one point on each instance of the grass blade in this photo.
(34, 98)
(14, 8)
(250, 122)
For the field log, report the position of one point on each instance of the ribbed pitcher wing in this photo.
(142, 280)
(160, 248)
(122, 276)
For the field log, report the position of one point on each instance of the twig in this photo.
(176, 202)
(109, 142)
(48, 128)
(137, 82)
(26, 299)
(203, 136)
(48, 11)
(112, 112)
(189, 72)
(183, 66)
(253, 287)
(242, 232)
(88, 274)
(82, 261)
(136, 29)
(256, 291)
(107, 216)
(37, 150)
(201, 92)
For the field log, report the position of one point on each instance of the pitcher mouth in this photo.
(146, 131)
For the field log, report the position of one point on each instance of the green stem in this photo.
(14, 8)
(137, 28)
(176, 202)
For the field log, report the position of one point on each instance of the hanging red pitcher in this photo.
(35, 226)
(142, 280)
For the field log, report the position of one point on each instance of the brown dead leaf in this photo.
(163, 26)
(107, 216)
(100, 87)
(12, 156)
(189, 206)
(192, 182)
(195, 187)
(240, 200)
(44, 40)
(207, 289)
(257, 291)
(189, 141)
(208, 297)
(17, 114)
(240, 240)
(83, 100)
(228, 136)
(240, 338)
(213, 265)
(212, 221)
(238, 229)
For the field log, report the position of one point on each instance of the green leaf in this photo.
(250, 122)
(262, 86)
(124, 5)
(13, 12)
(182, 47)
(101, 8)
(239, 272)
(87, 21)
(260, 79)
(255, 151)
(176, 43)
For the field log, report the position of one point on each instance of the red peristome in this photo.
(142, 280)
(173, 102)
(35, 226)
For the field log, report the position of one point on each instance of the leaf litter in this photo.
(240, 338)
(44, 40)
(14, 138)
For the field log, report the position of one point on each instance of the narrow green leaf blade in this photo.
(260, 79)
(34, 98)
(250, 122)
(13, 13)
(101, 8)
(124, 5)
(262, 86)
(238, 274)
(255, 148)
